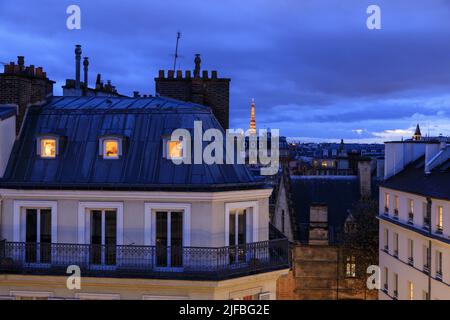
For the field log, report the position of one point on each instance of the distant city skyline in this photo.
(316, 72)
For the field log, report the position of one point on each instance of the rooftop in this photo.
(142, 122)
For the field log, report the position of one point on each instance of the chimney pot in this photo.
(170, 73)
(161, 73)
(21, 61)
(214, 74)
(188, 74)
(179, 74)
(77, 65)
(205, 74)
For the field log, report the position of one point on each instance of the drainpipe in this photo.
(429, 202)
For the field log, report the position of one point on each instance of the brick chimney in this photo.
(318, 224)
(197, 87)
(22, 86)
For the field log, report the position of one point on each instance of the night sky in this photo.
(314, 69)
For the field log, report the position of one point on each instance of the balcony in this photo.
(395, 213)
(439, 275)
(196, 263)
(395, 254)
(395, 294)
(410, 218)
(426, 268)
(411, 261)
(386, 248)
(439, 229)
(386, 211)
(385, 288)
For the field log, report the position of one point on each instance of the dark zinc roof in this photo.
(7, 111)
(413, 179)
(338, 193)
(80, 121)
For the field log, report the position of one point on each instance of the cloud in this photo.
(312, 66)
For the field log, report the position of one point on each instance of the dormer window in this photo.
(47, 147)
(111, 147)
(173, 149)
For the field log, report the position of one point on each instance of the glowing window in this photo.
(174, 149)
(111, 149)
(48, 148)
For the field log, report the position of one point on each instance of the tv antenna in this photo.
(176, 51)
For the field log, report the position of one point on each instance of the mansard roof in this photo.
(142, 122)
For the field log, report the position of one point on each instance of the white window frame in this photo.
(102, 147)
(19, 217)
(166, 155)
(252, 221)
(150, 209)
(84, 211)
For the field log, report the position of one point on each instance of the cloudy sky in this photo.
(312, 66)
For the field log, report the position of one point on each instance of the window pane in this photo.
(111, 148)
(110, 237)
(46, 235)
(48, 148)
(31, 235)
(161, 239)
(175, 149)
(176, 242)
(96, 236)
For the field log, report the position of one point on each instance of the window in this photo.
(386, 239)
(350, 267)
(410, 290)
(386, 279)
(426, 258)
(103, 237)
(395, 244)
(110, 147)
(410, 251)
(47, 147)
(439, 218)
(387, 200)
(396, 205)
(395, 285)
(426, 217)
(439, 265)
(410, 210)
(174, 149)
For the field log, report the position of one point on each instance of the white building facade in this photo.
(414, 217)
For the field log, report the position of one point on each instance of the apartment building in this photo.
(415, 220)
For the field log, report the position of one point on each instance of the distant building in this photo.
(319, 212)
(415, 220)
(199, 87)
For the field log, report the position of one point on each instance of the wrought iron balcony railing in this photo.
(145, 261)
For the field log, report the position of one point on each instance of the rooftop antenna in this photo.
(176, 51)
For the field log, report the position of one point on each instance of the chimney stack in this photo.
(197, 62)
(21, 62)
(365, 178)
(85, 67)
(77, 65)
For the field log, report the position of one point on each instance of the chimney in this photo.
(197, 62)
(318, 224)
(85, 67)
(365, 178)
(77, 65)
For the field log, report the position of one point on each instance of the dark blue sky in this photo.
(314, 69)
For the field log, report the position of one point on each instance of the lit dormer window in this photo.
(47, 147)
(110, 147)
(173, 149)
